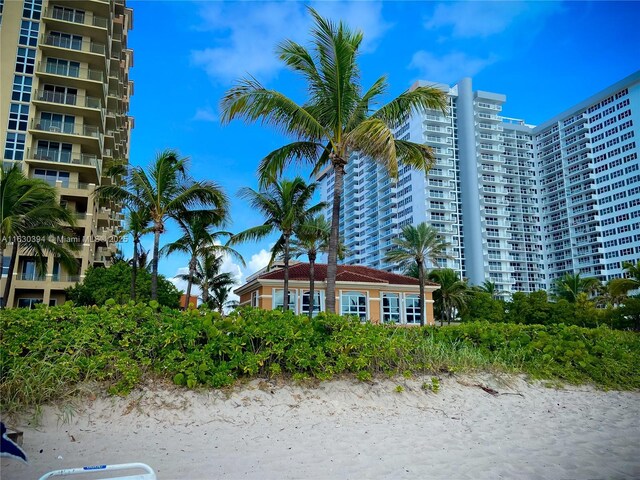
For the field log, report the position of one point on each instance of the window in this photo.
(412, 309)
(5, 266)
(28, 302)
(58, 66)
(254, 299)
(21, 88)
(68, 14)
(64, 40)
(18, 117)
(32, 9)
(56, 122)
(29, 33)
(390, 308)
(317, 302)
(54, 151)
(58, 94)
(51, 176)
(278, 301)
(25, 60)
(354, 304)
(14, 146)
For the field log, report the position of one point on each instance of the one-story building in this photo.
(373, 295)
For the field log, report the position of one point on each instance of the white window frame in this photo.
(357, 294)
(317, 307)
(410, 297)
(386, 314)
(293, 299)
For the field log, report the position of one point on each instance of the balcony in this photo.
(30, 277)
(89, 79)
(66, 278)
(81, 160)
(78, 46)
(66, 103)
(86, 19)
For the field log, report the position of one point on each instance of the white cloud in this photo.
(364, 16)
(258, 260)
(252, 32)
(247, 33)
(483, 19)
(448, 68)
(206, 115)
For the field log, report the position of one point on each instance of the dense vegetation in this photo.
(101, 284)
(537, 308)
(47, 352)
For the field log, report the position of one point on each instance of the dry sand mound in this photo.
(349, 430)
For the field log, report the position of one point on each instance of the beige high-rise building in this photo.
(64, 98)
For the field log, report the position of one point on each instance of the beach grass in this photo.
(47, 354)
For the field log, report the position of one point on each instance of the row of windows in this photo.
(396, 308)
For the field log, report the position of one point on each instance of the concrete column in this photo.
(470, 195)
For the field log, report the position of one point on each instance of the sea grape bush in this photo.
(45, 353)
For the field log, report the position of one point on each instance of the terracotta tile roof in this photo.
(346, 273)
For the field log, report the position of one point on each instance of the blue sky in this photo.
(545, 56)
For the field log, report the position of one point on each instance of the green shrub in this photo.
(47, 352)
(113, 285)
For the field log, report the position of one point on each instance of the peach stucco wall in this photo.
(374, 299)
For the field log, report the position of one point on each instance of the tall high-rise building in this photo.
(64, 93)
(520, 205)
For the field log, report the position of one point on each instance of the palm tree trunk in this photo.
(134, 269)
(154, 268)
(442, 312)
(285, 294)
(205, 292)
(312, 282)
(192, 273)
(12, 265)
(423, 320)
(334, 237)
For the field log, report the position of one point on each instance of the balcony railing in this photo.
(71, 71)
(72, 159)
(75, 16)
(66, 128)
(31, 276)
(69, 99)
(61, 277)
(74, 44)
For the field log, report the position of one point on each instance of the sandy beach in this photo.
(348, 430)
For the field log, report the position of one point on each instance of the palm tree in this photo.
(138, 221)
(335, 120)
(220, 298)
(284, 203)
(166, 190)
(312, 237)
(32, 219)
(199, 240)
(453, 294)
(620, 286)
(569, 286)
(416, 245)
(209, 277)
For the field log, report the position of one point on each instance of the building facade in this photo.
(64, 98)
(509, 197)
(374, 296)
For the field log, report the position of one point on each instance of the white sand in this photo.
(345, 429)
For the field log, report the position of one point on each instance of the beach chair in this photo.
(148, 475)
